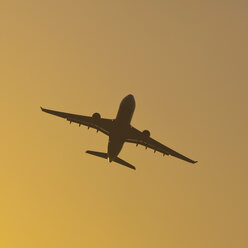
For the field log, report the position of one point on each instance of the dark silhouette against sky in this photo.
(119, 131)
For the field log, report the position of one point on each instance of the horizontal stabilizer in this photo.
(120, 161)
(116, 160)
(98, 154)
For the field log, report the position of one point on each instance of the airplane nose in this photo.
(128, 101)
(130, 98)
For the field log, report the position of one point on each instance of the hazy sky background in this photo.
(186, 64)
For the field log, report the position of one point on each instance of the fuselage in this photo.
(121, 126)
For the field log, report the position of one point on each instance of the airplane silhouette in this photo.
(119, 131)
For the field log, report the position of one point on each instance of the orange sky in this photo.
(186, 64)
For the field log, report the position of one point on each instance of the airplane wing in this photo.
(101, 124)
(138, 137)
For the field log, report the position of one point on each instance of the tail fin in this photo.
(117, 160)
(99, 154)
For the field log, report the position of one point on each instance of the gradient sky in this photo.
(186, 64)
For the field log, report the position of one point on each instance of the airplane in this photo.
(119, 131)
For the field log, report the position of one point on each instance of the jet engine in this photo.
(146, 133)
(96, 116)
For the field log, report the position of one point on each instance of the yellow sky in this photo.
(186, 64)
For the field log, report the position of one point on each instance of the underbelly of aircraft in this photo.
(116, 140)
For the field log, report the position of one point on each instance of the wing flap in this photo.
(103, 125)
(137, 137)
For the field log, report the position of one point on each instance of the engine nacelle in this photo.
(96, 116)
(146, 133)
